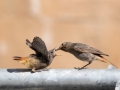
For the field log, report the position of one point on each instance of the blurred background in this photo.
(93, 22)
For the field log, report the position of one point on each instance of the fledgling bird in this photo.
(83, 52)
(42, 57)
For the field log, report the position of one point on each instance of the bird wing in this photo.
(38, 46)
(85, 48)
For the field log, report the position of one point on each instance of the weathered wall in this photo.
(93, 22)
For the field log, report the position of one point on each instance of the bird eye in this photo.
(62, 44)
(51, 52)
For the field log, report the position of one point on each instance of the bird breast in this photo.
(84, 56)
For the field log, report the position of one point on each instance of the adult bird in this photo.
(84, 52)
(42, 57)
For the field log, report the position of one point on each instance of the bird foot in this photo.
(80, 68)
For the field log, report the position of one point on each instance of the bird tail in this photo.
(102, 59)
(19, 58)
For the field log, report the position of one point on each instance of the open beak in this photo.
(57, 54)
(55, 49)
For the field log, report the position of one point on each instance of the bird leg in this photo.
(83, 66)
(33, 70)
(79, 68)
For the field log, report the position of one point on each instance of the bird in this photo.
(84, 52)
(42, 57)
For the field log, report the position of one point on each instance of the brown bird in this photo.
(41, 59)
(84, 52)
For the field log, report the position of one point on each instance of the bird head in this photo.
(65, 46)
(52, 53)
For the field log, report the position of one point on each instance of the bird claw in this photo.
(79, 68)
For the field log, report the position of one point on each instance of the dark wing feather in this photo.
(29, 44)
(85, 48)
(38, 46)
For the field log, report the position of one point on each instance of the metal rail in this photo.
(60, 79)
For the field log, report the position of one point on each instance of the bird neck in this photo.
(50, 58)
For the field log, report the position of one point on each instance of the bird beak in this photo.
(55, 49)
(57, 54)
(58, 48)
